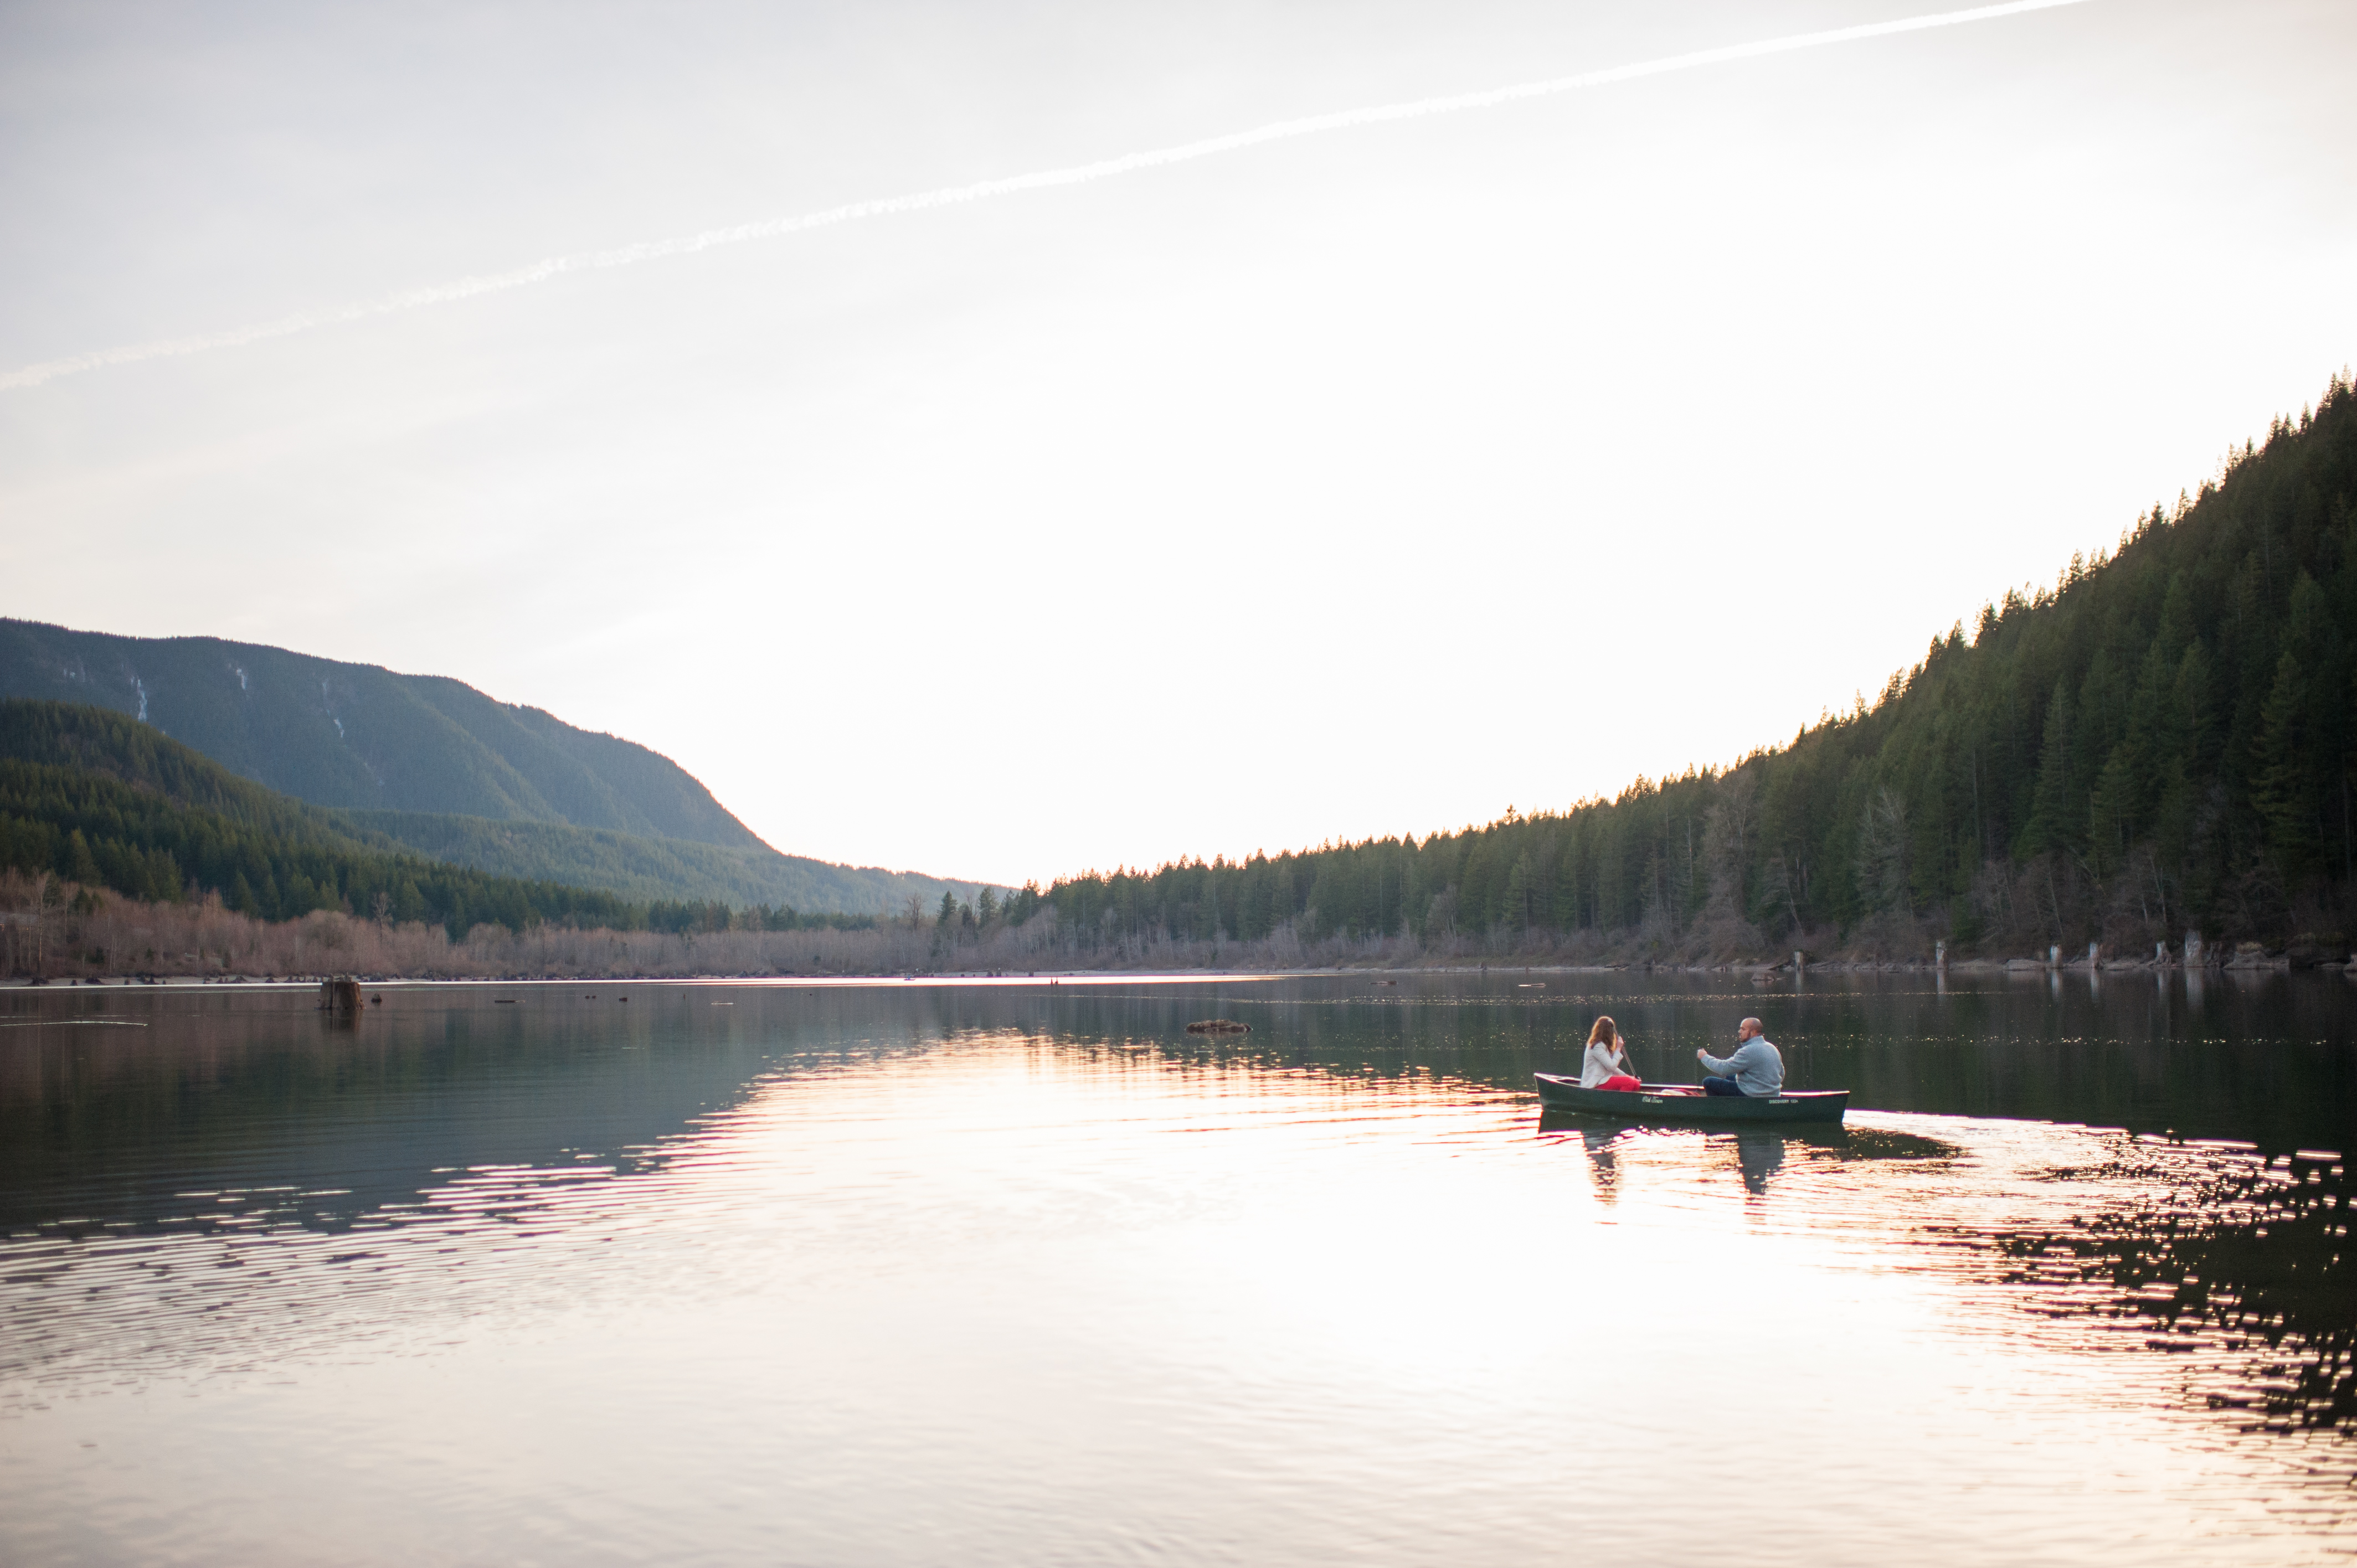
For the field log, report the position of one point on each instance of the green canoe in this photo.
(1679, 1102)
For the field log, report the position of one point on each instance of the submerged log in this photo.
(1218, 1027)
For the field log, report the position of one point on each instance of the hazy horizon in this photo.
(1523, 450)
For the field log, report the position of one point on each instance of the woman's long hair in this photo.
(1606, 1032)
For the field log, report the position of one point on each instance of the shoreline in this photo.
(1762, 975)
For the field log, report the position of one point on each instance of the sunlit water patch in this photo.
(910, 1276)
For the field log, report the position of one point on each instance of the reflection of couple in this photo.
(1759, 1155)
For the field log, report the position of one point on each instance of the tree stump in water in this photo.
(342, 997)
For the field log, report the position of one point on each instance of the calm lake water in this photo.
(1013, 1273)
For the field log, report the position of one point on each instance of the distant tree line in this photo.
(2160, 744)
(692, 916)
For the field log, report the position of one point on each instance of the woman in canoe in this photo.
(1605, 1064)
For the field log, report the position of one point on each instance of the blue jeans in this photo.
(1721, 1086)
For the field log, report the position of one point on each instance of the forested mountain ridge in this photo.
(659, 869)
(361, 736)
(445, 771)
(639, 872)
(2162, 743)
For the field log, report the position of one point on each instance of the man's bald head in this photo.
(1749, 1026)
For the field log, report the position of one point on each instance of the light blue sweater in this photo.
(1756, 1066)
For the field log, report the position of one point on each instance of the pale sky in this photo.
(1357, 483)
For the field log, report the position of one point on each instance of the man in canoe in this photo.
(1755, 1069)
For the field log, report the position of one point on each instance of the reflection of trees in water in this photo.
(2245, 1269)
(2238, 1272)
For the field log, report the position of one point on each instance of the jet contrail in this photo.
(1079, 174)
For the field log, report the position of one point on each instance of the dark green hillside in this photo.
(360, 736)
(2163, 743)
(76, 737)
(99, 798)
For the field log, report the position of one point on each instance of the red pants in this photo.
(1620, 1080)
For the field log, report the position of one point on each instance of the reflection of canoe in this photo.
(1666, 1102)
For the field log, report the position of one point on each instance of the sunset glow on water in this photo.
(926, 1275)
